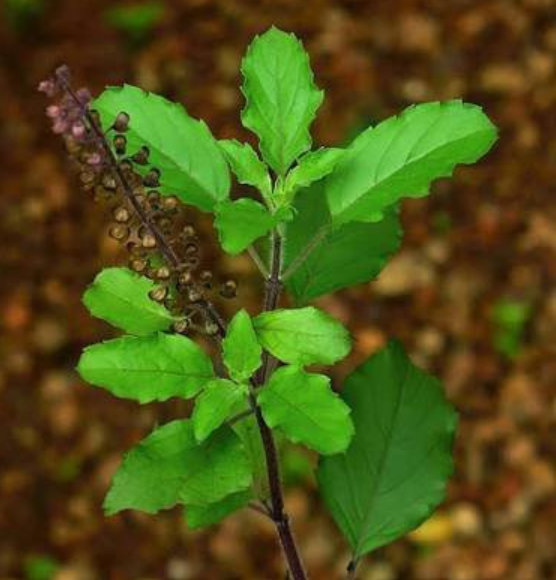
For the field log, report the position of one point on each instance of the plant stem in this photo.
(277, 512)
(352, 570)
(255, 256)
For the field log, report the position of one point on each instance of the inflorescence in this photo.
(152, 227)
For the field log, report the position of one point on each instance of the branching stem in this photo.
(272, 296)
(277, 509)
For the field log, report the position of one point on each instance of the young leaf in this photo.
(240, 349)
(335, 257)
(281, 97)
(246, 165)
(170, 467)
(312, 167)
(147, 368)
(394, 473)
(214, 405)
(121, 297)
(401, 156)
(180, 147)
(240, 223)
(306, 409)
(302, 336)
(203, 516)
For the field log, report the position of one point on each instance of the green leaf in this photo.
(395, 471)
(337, 257)
(214, 405)
(246, 165)
(302, 336)
(240, 349)
(170, 467)
(281, 97)
(306, 409)
(240, 223)
(147, 368)
(182, 148)
(312, 167)
(401, 156)
(203, 516)
(248, 431)
(121, 297)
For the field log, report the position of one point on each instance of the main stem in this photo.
(278, 514)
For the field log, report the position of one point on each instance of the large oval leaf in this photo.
(401, 156)
(147, 368)
(182, 148)
(394, 473)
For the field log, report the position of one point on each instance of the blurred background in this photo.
(471, 294)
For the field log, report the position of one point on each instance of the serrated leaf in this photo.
(241, 350)
(394, 473)
(246, 165)
(121, 297)
(338, 257)
(170, 467)
(281, 97)
(302, 336)
(312, 167)
(401, 156)
(240, 223)
(182, 148)
(214, 405)
(203, 516)
(306, 410)
(147, 368)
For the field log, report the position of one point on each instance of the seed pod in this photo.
(185, 278)
(126, 167)
(119, 232)
(121, 124)
(188, 232)
(163, 273)
(121, 215)
(152, 179)
(139, 196)
(211, 328)
(195, 295)
(158, 294)
(181, 326)
(191, 249)
(87, 177)
(229, 289)
(148, 241)
(120, 144)
(171, 203)
(95, 117)
(206, 278)
(138, 265)
(142, 156)
(109, 182)
(153, 196)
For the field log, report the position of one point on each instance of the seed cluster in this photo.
(152, 227)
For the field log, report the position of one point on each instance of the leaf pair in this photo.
(151, 366)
